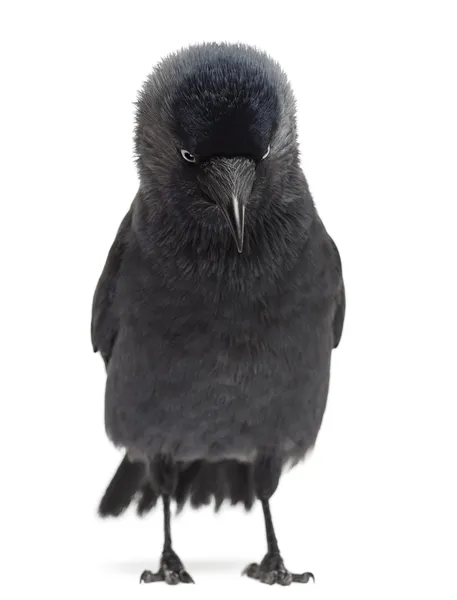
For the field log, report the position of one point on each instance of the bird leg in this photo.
(271, 570)
(171, 570)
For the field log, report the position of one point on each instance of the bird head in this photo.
(216, 135)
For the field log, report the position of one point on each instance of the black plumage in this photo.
(221, 299)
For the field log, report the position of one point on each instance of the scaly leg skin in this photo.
(271, 570)
(171, 571)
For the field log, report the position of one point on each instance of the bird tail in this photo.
(198, 483)
(127, 481)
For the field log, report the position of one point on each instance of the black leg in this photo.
(171, 570)
(166, 523)
(272, 542)
(267, 472)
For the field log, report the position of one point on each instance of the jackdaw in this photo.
(220, 301)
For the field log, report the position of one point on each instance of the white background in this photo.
(373, 509)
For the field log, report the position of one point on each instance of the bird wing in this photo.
(338, 319)
(104, 322)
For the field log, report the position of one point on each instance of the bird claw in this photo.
(185, 577)
(171, 571)
(272, 570)
(150, 577)
(303, 577)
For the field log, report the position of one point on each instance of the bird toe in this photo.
(272, 570)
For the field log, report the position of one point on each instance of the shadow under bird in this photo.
(220, 301)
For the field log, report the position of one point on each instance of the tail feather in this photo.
(123, 487)
(199, 482)
(147, 500)
(240, 479)
(186, 480)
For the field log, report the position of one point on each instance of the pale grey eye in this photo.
(267, 152)
(188, 156)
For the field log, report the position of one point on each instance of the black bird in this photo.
(221, 299)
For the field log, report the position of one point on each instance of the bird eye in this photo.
(188, 156)
(267, 152)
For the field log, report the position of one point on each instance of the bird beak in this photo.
(234, 215)
(229, 181)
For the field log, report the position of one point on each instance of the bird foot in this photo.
(272, 570)
(171, 571)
